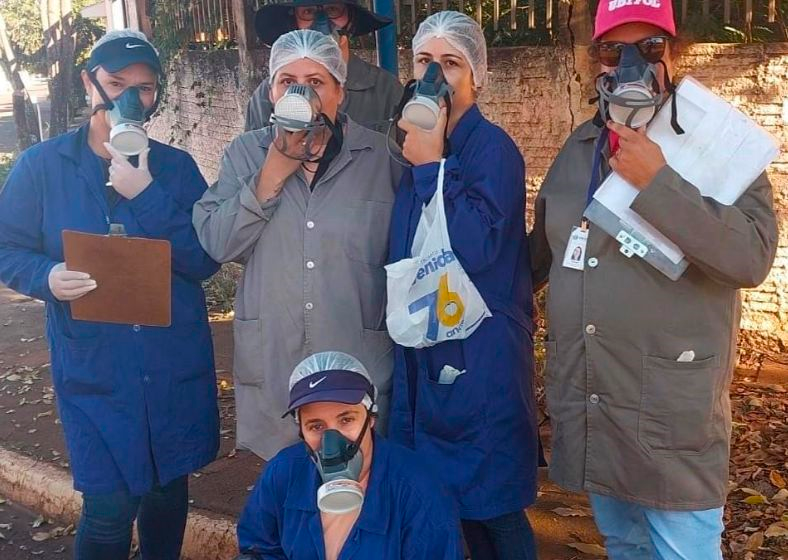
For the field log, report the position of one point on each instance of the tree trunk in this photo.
(26, 131)
(56, 19)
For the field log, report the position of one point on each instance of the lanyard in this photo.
(593, 184)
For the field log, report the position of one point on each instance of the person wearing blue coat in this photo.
(345, 493)
(137, 404)
(480, 429)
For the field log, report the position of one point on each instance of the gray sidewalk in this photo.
(36, 87)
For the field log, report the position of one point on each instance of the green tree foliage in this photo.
(23, 20)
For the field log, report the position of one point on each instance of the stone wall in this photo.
(527, 94)
(537, 95)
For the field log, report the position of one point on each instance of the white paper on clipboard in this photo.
(721, 153)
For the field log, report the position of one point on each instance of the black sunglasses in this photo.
(651, 48)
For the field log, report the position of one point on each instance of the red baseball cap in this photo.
(612, 13)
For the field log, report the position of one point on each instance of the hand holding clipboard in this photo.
(133, 277)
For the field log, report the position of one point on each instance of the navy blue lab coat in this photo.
(405, 515)
(137, 404)
(480, 431)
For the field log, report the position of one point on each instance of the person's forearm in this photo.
(268, 186)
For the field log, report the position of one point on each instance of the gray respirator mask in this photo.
(420, 104)
(339, 462)
(429, 94)
(631, 94)
(126, 116)
(301, 129)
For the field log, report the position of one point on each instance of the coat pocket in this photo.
(453, 411)
(248, 352)
(678, 401)
(367, 233)
(88, 366)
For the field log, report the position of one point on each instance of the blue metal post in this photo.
(387, 37)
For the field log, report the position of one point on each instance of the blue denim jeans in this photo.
(634, 532)
(104, 531)
(508, 537)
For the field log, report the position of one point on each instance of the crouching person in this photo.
(344, 492)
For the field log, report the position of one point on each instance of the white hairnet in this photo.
(327, 361)
(461, 32)
(122, 34)
(311, 44)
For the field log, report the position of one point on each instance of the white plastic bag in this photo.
(430, 297)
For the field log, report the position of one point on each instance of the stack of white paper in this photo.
(721, 153)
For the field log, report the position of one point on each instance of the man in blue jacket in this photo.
(345, 493)
(137, 404)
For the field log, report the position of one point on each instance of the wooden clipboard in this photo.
(133, 276)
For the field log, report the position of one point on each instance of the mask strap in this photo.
(446, 146)
(108, 104)
(335, 127)
(407, 94)
(670, 87)
(356, 445)
(150, 112)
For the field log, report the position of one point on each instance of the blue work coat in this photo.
(137, 404)
(405, 515)
(480, 431)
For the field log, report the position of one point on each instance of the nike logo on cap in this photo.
(313, 384)
(133, 46)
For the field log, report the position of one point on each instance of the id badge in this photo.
(575, 255)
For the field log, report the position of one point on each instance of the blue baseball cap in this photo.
(117, 50)
(329, 377)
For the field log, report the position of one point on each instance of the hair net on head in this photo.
(122, 34)
(307, 43)
(462, 33)
(327, 361)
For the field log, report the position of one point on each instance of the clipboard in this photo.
(721, 153)
(133, 275)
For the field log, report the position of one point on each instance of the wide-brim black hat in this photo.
(277, 18)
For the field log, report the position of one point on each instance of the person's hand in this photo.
(277, 167)
(638, 159)
(128, 180)
(68, 285)
(423, 146)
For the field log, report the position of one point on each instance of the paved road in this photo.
(25, 536)
(37, 87)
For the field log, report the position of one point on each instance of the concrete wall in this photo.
(538, 94)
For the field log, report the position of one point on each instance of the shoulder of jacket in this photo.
(294, 454)
(168, 150)
(489, 137)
